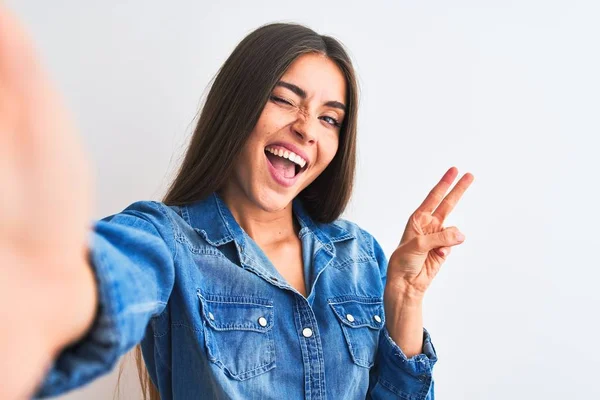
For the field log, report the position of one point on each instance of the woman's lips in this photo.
(279, 178)
(291, 148)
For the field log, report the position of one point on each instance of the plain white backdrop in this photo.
(507, 90)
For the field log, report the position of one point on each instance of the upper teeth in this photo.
(295, 158)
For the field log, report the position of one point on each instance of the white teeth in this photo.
(295, 158)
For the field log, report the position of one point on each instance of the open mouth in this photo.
(288, 164)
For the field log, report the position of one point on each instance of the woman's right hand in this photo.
(47, 290)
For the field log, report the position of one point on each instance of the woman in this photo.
(242, 282)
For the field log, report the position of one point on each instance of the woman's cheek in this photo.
(331, 149)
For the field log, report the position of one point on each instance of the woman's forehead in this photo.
(318, 76)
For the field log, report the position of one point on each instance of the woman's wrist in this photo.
(56, 304)
(400, 302)
(80, 301)
(404, 316)
(401, 291)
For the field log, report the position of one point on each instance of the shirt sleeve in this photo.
(395, 376)
(132, 254)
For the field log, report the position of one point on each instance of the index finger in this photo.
(437, 193)
(450, 201)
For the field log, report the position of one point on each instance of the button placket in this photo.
(311, 348)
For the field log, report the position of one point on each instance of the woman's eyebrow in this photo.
(336, 104)
(300, 92)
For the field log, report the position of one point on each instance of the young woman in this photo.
(243, 282)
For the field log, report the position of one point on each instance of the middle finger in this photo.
(450, 201)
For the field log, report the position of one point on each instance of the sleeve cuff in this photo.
(98, 351)
(418, 364)
(405, 376)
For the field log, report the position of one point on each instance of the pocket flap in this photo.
(225, 313)
(359, 313)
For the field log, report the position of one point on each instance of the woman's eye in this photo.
(331, 121)
(280, 100)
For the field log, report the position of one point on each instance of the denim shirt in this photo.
(216, 319)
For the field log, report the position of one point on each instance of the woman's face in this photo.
(297, 134)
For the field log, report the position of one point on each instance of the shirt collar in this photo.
(209, 220)
(327, 234)
(212, 219)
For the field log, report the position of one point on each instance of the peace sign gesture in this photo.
(426, 244)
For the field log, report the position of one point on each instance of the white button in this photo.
(349, 317)
(211, 316)
(307, 332)
(262, 321)
(377, 318)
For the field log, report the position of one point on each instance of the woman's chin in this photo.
(272, 201)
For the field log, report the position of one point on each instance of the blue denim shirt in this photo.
(216, 319)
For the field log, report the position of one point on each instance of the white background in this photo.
(507, 90)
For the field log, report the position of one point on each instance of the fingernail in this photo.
(460, 237)
(443, 253)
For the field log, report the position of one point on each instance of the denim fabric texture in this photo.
(217, 321)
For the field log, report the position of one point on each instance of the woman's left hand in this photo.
(426, 244)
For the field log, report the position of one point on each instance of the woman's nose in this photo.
(303, 127)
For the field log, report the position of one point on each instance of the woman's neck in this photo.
(264, 227)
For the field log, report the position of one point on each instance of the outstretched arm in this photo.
(44, 214)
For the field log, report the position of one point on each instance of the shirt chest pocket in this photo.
(361, 320)
(238, 334)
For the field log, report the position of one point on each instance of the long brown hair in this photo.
(231, 110)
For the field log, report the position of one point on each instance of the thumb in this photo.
(448, 237)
